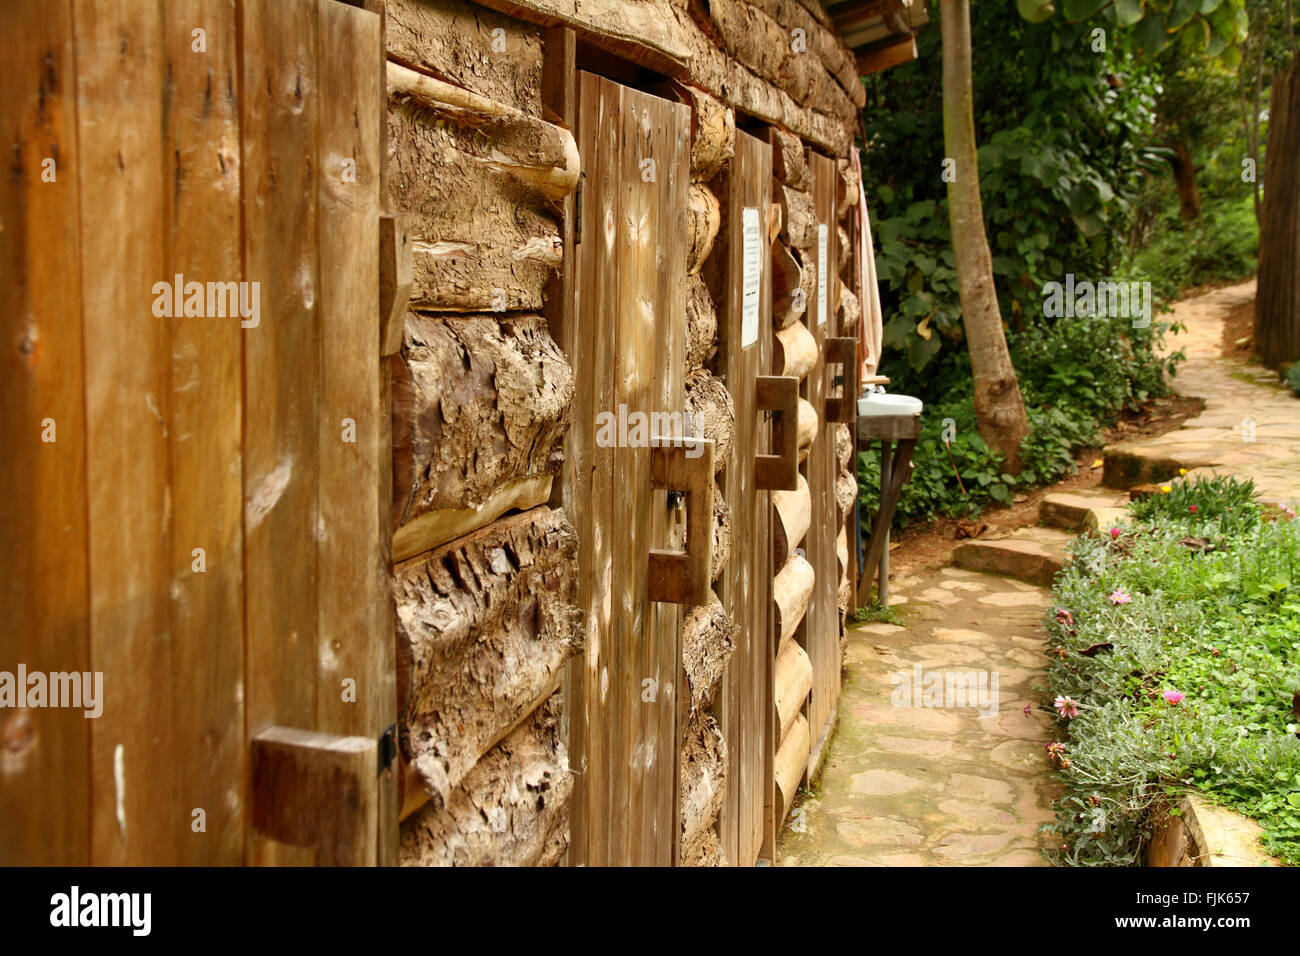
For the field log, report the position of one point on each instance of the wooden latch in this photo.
(844, 352)
(685, 465)
(779, 394)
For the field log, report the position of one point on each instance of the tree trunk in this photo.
(1277, 302)
(1189, 197)
(999, 408)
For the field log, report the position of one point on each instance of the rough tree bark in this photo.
(1189, 197)
(1277, 301)
(999, 407)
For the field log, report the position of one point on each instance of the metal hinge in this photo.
(387, 747)
(577, 210)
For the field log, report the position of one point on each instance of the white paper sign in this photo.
(751, 264)
(823, 238)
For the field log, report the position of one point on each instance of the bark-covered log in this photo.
(845, 250)
(465, 44)
(511, 809)
(791, 686)
(799, 228)
(708, 638)
(807, 427)
(789, 301)
(788, 162)
(703, 785)
(791, 517)
(791, 590)
(707, 851)
(822, 40)
(541, 154)
(842, 551)
(476, 404)
(844, 448)
(721, 533)
(775, 219)
(795, 351)
(705, 219)
(484, 626)
(713, 415)
(849, 188)
(769, 51)
(846, 492)
(713, 132)
(482, 240)
(701, 324)
(791, 762)
(850, 310)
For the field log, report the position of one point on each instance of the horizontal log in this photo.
(799, 227)
(481, 240)
(792, 685)
(850, 186)
(541, 154)
(511, 809)
(713, 132)
(435, 527)
(842, 551)
(850, 310)
(708, 638)
(823, 40)
(484, 626)
(790, 765)
(707, 851)
(845, 250)
(792, 514)
(705, 219)
(791, 590)
(701, 323)
(703, 782)
(713, 414)
(789, 302)
(789, 165)
(775, 219)
(795, 351)
(478, 405)
(463, 43)
(807, 427)
(843, 435)
(768, 49)
(721, 533)
(846, 492)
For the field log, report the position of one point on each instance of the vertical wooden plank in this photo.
(589, 470)
(281, 355)
(200, 113)
(127, 361)
(357, 694)
(746, 698)
(822, 621)
(43, 565)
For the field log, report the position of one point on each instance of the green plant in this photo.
(1179, 637)
(1293, 378)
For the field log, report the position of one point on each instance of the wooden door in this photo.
(822, 623)
(745, 708)
(628, 356)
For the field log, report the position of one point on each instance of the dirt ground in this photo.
(928, 546)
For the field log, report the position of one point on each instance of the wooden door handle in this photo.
(684, 465)
(843, 352)
(779, 394)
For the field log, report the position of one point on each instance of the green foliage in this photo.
(1213, 612)
(1075, 375)
(1293, 378)
(1066, 144)
(1221, 247)
(1215, 27)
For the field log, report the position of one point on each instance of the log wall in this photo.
(480, 155)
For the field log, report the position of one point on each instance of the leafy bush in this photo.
(1221, 247)
(1201, 603)
(1293, 378)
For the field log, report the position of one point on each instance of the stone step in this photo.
(1084, 510)
(1033, 555)
(1130, 464)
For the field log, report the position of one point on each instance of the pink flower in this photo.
(1065, 616)
(1026, 710)
(1193, 509)
(1067, 707)
(1173, 697)
(1115, 533)
(1118, 597)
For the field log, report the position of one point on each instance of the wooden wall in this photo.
(192, 501)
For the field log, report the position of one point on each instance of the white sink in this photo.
(882, 403)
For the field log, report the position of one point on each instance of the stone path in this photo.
(924, 785)
(912, 780)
